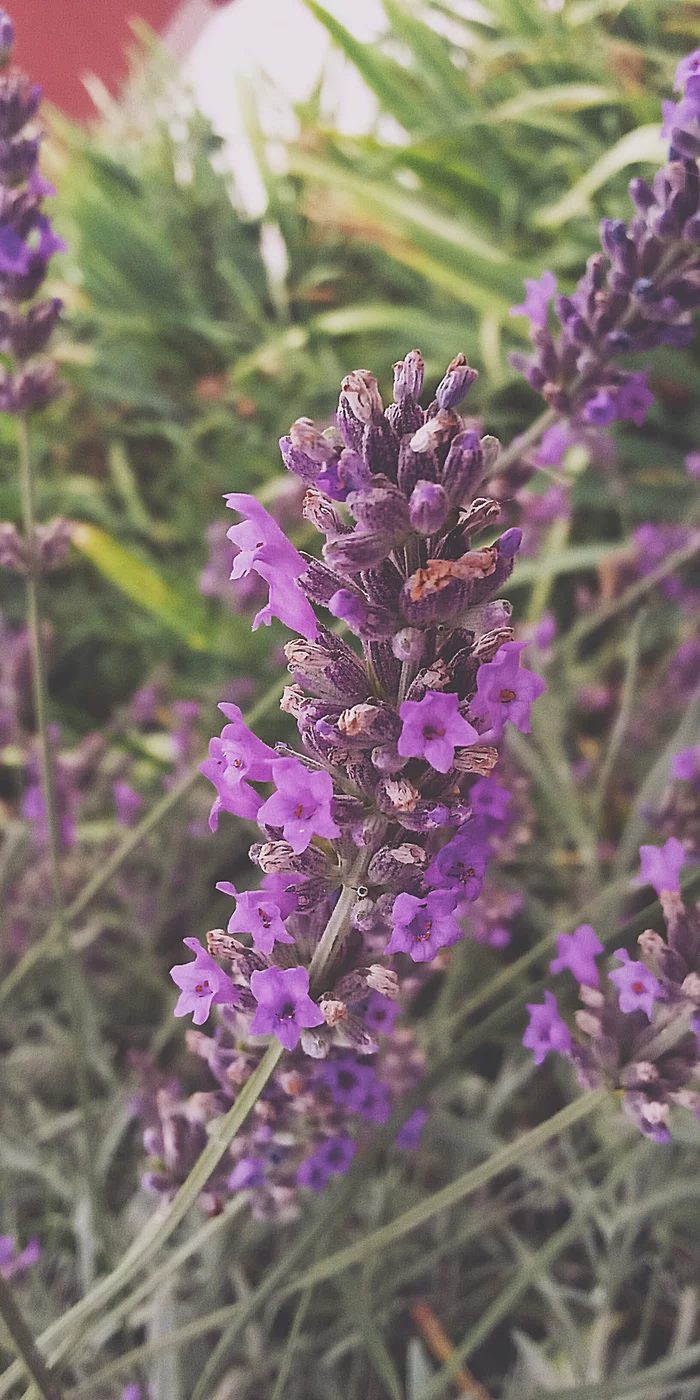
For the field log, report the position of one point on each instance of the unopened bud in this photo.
(408, 377)
(333, 1011)
(458, 378)
(383, 980)
(429, 507)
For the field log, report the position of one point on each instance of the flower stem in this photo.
(338, 925)
(46, 1384)
(74, 987)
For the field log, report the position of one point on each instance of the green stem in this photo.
(74, 987)
(288, 1356)
(46, 1384)
(338, 925)
(619, 729)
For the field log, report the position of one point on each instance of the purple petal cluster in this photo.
(638, 293)
(638, 1033)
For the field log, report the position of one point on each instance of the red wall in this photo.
(60, 40)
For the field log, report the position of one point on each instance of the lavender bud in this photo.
(429, 507)
(463, 468)
(642, 194)
(382, 508)
(383, 980)
(360, 393)
(387, 759)
(408, 377)
(398, 867)
(19, 100)
(488, 617)
(373, 721)
(436, 432)
(457, 380)
(363, 549)
(316, 1043)
(361, 617)
(328, 666)
(275, 856)
(353, 1033)
(319, 582)
(34, 387)
(491, 642)
(408, 644)
(509, 543)
(333, 1011)
(28, 335)
(396, 795)
(323, 514)
(380, 447)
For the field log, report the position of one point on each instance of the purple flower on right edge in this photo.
(505, 690)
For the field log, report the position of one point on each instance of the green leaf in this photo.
(140, 582)
(644, 144)
(395, 88)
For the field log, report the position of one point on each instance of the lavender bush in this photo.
(446, 819)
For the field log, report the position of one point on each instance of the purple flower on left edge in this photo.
(538, 294)
(661, 865)
(202, 985)
(301, 805)
(14, 1262)
(258, 914)
(578, 951)
(433, 727)
(265, 549)
(423, 926)
(546, 1031)
(505, 690)
(284, 1005)
(636, 985)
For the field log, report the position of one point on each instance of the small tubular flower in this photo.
(265, 549)
(432, 728)
(202, 985)
(301, 806)
(578, 951)
(284, 1005)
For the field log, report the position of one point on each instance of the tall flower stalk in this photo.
(28, 383)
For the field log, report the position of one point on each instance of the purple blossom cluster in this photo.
(640, 1035)
(373, 848)
(638, 293)
(308, 1125)
(376, 832)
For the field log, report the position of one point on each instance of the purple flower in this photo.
(578, 952)
(332, 1158)
(661, 865)
(202, 985)
(422, 926)
(375, 1106)
(688, 67)
(236, 759)
(13, 1263)
(692, 465)
(546, 1030)
(348, 1081)
(490, 801)
(265, 549)
(461, 864)
(301, 805)
(686, 764)
(539, 293)
(127, 803)
(505, 690)
(634, 399)
(284, 1005)
(409, 1134)
(248, 1172)
(257, 914)
(433, 727)
(132, 1392)
(601, 409)
(546, 631)
(381, 1013)
(637, 986)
